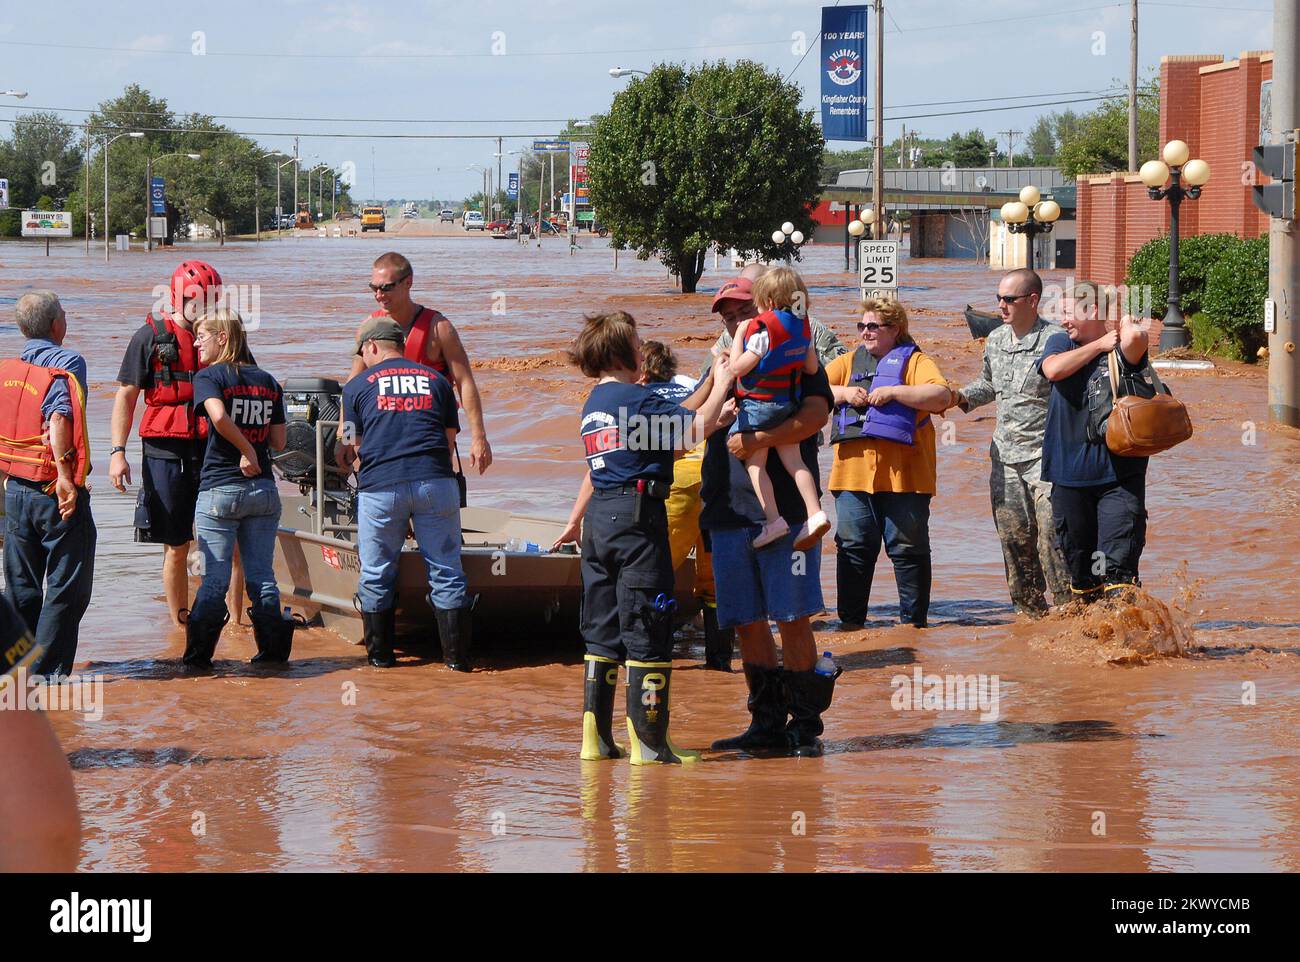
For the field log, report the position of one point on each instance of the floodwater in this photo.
(1097, 759)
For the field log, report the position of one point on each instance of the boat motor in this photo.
(307, 401)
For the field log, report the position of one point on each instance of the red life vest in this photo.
(23, 454)
(169, 400)
(417, 340)
(778, 371)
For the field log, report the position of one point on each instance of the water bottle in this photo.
(825, 665)
(532, 547)
(514, 544)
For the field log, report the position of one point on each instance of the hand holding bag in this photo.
(1141, 426)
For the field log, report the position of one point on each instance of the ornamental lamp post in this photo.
(858, 226)
(1031, 216)
(1176, 169)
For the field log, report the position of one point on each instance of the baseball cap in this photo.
(380, 329)
(740, 289)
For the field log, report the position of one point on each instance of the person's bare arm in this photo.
(345, 455)
(276, 437)
(65, 458)
(453, 352)
(119, 469)
(710, 411)
(804, 423)
(573, 527)
(979, 391)
(1060, 366)
(742, 361)
(1133, 339)
(358, 366)
(810, 360)
(935, 398)
(222, 424)
(40, 830)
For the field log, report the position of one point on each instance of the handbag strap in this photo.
(1112, 361)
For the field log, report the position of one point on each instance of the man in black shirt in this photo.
(774, 582)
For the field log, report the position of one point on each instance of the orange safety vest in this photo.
(169, 400)
(23, 451)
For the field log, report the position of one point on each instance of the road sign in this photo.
(158, 227)
(550, 146)
(879, 277)
(47, 223)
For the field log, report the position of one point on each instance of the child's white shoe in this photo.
(813, 530)
(772, 531)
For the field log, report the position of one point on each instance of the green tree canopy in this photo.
(1097, 142)
(721, 153)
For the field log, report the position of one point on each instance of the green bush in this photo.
(1209, 338)
(1149, 267)
(1235, 291)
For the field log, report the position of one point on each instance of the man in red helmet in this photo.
(161, 361)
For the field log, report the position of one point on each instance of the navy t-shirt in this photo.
(630, 432)
(402, 411)
(254, 402)
(727, 492)
(671, 390)
(1069, 458)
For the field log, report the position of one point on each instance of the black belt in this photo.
(647, 487)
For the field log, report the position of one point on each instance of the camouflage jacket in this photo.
(1011, 377)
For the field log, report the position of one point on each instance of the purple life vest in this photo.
(893, 422)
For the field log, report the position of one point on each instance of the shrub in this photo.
(1209, 338)
(1149, 267)
(1235, 290)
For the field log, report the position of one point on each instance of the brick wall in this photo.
(1214, 107)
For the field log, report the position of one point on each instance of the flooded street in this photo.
(1188, 763)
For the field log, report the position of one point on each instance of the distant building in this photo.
(1214, 106)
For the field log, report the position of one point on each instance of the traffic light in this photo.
(1278, 162)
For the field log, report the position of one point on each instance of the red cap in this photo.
(740, 289)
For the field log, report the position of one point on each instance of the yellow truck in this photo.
(372, 218)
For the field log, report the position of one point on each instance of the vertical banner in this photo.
(844, 73)
(157, 197)
(4, 193)
(512, 191)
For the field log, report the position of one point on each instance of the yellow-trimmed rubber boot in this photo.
(600, 682)
(648, 696)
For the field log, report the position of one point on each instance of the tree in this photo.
(1099, 141)
(1041, 142)
(720, 154)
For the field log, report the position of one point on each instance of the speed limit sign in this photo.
(879, 260)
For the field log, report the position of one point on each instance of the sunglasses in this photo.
(871, 326)
(1010, 298)
(387, 288)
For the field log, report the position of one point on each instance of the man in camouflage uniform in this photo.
(1022, 506)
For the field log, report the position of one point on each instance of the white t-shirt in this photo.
(759, 343)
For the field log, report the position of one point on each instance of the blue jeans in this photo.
(755, 415)
(902, 521)
(246, 512)
(49, 569)
(775, 582)
(432, 508)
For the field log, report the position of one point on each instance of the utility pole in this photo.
(86, 196)
(1283, 251)
(1011, 136)
(878, 155)
(1133, 89)
(296, 174)
(498, 187)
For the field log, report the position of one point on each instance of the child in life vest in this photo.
(769, 355)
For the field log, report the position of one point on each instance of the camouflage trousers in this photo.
(1022, 514)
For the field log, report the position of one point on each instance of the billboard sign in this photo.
(47, 223)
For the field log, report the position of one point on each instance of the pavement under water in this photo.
(1101, 753)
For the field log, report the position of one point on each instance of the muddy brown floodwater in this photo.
(1092, 763)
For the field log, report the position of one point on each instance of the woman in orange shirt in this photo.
(883, 475)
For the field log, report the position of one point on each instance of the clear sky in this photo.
(434, 62)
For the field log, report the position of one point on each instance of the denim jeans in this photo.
(774, 582)
(49, 569)
(246, 512)
(902, 521)
(432, 508)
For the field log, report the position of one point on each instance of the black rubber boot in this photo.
(808, 694)
(273, 633)
(201, 638)
(648, 697)
(600, 683)
(456, 633)
(719, 643)
(768, 713)
(380, 631)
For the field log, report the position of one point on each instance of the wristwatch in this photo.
(116, 448)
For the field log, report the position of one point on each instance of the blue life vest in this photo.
(894, 421)
(778, 370)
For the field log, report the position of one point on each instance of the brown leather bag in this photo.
(1139, 427)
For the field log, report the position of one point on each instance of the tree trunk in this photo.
(692, 267)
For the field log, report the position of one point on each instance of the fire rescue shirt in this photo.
(45, 353)
(401, 411)
(630, 433)
(254, 402)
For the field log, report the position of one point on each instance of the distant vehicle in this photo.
(447, 216)
(286, 221)
(473, 220)
(303, 221)
(373, 218)
(497, 225)
(410, 214)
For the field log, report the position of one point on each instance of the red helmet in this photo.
(194, 280)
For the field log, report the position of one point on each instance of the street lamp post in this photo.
(148, 188)
(279, 201)
(1176, 169)
(1031, 216)
(20, 94)
(108, 142)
